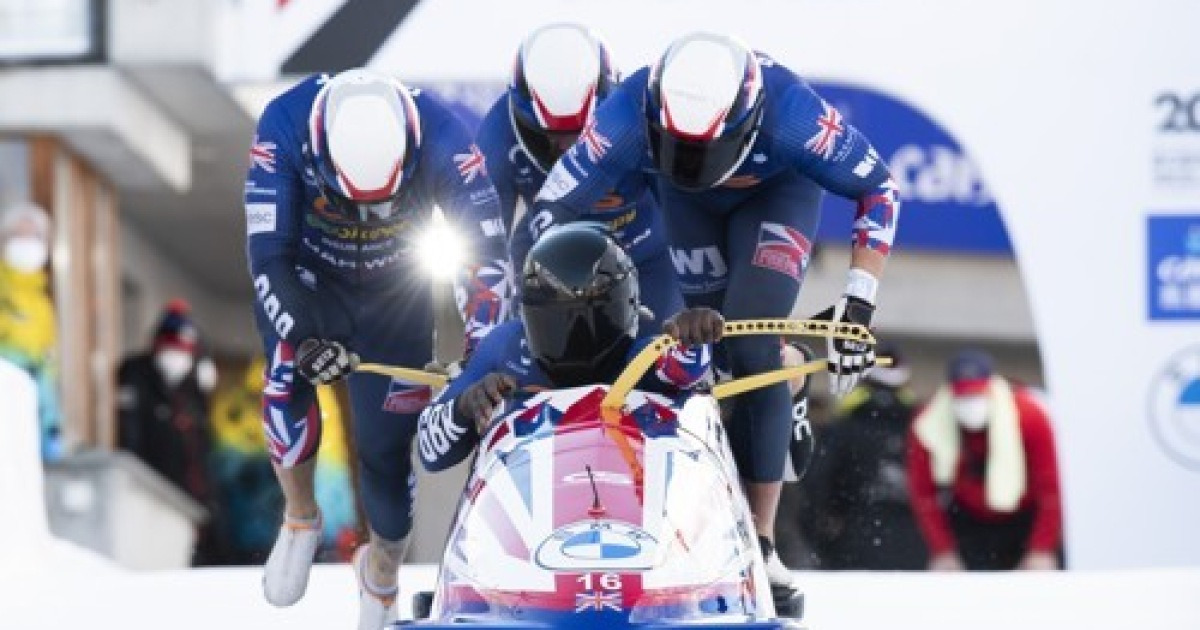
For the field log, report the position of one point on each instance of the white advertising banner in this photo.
(1084, 121)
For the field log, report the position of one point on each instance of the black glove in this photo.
(695, 326)
(848, 360)
(323, 362)
(482, 397)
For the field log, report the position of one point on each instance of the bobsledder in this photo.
(608, 507)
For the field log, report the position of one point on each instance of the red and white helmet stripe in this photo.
(707, 83)
(562, 66)
(364, 129)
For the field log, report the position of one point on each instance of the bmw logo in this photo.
(1175, 408)
(597, 545)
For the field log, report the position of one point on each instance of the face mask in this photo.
(174, 365)
(26, 253)
(972, 412)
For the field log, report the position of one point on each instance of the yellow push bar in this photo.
(431, 379)
(747, 383)
(637, 368)
(641, 363)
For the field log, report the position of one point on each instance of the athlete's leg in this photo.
(385, 420)
(769, 243)
(395, 328)
(292, 423)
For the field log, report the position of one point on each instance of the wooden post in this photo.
(85, 286)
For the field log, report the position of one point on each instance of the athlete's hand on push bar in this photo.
(483, 396)
(322, 361)
(695, 326)
(848, 359)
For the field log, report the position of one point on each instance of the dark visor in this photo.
(696, 165)
(359, 212)
(545, 147)
(571, 342)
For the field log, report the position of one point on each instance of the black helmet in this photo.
(579, 304)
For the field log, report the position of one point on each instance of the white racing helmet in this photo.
(561, 73)
(704, 103)
(364, 136)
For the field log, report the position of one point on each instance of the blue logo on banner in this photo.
(947, 206)
(1173, 266)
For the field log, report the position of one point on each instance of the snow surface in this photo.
(91, 594)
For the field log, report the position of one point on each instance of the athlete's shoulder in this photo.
(617, 135)
(495, 123)
(495, 135)
(501, 341)
(294, 104)
(774, 71)
(637, 80)
(511, 330)
(432, 111)
(782, 86)
(630, 94)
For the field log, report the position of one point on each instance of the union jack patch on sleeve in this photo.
(829, 129)
(262, 155)
(595, 142)
(471, 164)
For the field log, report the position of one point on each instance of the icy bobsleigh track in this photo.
(81, 592)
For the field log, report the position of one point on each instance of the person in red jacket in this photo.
(983, 473)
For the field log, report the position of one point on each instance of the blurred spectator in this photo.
(163, 408)
(857, 485)
(27, 321)
(983, 473)
(252, 498)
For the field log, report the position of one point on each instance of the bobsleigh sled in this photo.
(607, 507)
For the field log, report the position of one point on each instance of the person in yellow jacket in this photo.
(27, 319)
(248, 484)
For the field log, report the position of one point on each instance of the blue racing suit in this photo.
(628, 209)
(743, 246)
(318, 275)
(446, 437)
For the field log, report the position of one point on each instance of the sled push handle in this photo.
(432, 379)
(615, 399)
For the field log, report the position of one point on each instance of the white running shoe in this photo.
(789, 601)
(376, 606)
(285, 576)
(779, 576)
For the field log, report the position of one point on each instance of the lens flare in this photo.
(440, 248)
